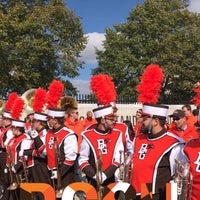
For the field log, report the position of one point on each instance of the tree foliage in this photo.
(163, 32)
(39, 41)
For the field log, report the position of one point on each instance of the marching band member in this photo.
(60, 142)
(19, 142)
(61, 149)
(154, 151)
(37, 147)
(103, 87)
(39, 124)
(5, 136)
(101, 145)
(190, 154)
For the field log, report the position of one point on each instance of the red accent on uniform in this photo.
(150, 160)
(192, 150)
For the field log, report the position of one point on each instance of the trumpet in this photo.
(13, 179)
(183, 178)
(124, 172)
(59, 189)
(98, 177)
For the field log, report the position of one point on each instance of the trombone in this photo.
(14, 181)
(25, 169)
(99, 177)
(58, 189)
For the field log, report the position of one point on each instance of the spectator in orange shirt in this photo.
(190, 118)
(137, 127)
(182, 129)
(89, 119)
(72, 122)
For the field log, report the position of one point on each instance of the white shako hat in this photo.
(155, 110)
(55, 112)
(18, 123)
(103, 111)
(7, 115)
(40, 116)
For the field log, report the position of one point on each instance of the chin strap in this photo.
(150, 125)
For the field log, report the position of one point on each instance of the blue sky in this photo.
(96, 15)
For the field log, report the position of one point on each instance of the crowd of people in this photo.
(57, 148)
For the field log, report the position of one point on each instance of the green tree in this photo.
(39, 41)
(158, 31)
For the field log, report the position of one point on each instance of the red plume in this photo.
(55, 92)
(150, 84)
(39, 100)
(17, 108)
(11, 98)
(103, 87)
(196, 98)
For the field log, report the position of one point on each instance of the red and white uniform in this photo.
(110, 144)
(67, 142)
(6, 135)
(38, 150)
(17, 143)
(42, 134)
(128, 144)
(191, 154)
(154, 160)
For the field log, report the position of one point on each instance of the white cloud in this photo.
(194, 6)
(88, 56)
(94, 41)
(82, 86)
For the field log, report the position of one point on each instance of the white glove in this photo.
(13, 169)
(54, 174)
(33, 133)
(5, 170)
(21, 153)
(102, 177)
(119, 174)
(172, 181)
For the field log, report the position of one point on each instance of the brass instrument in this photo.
(59, 189)
(124, 172)
(128, 169)
(2, 104)
(25, 169)
(68, 102)
(183, 178)
(99, 177)
(14, 180)
(28, 98)
(121, 173)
